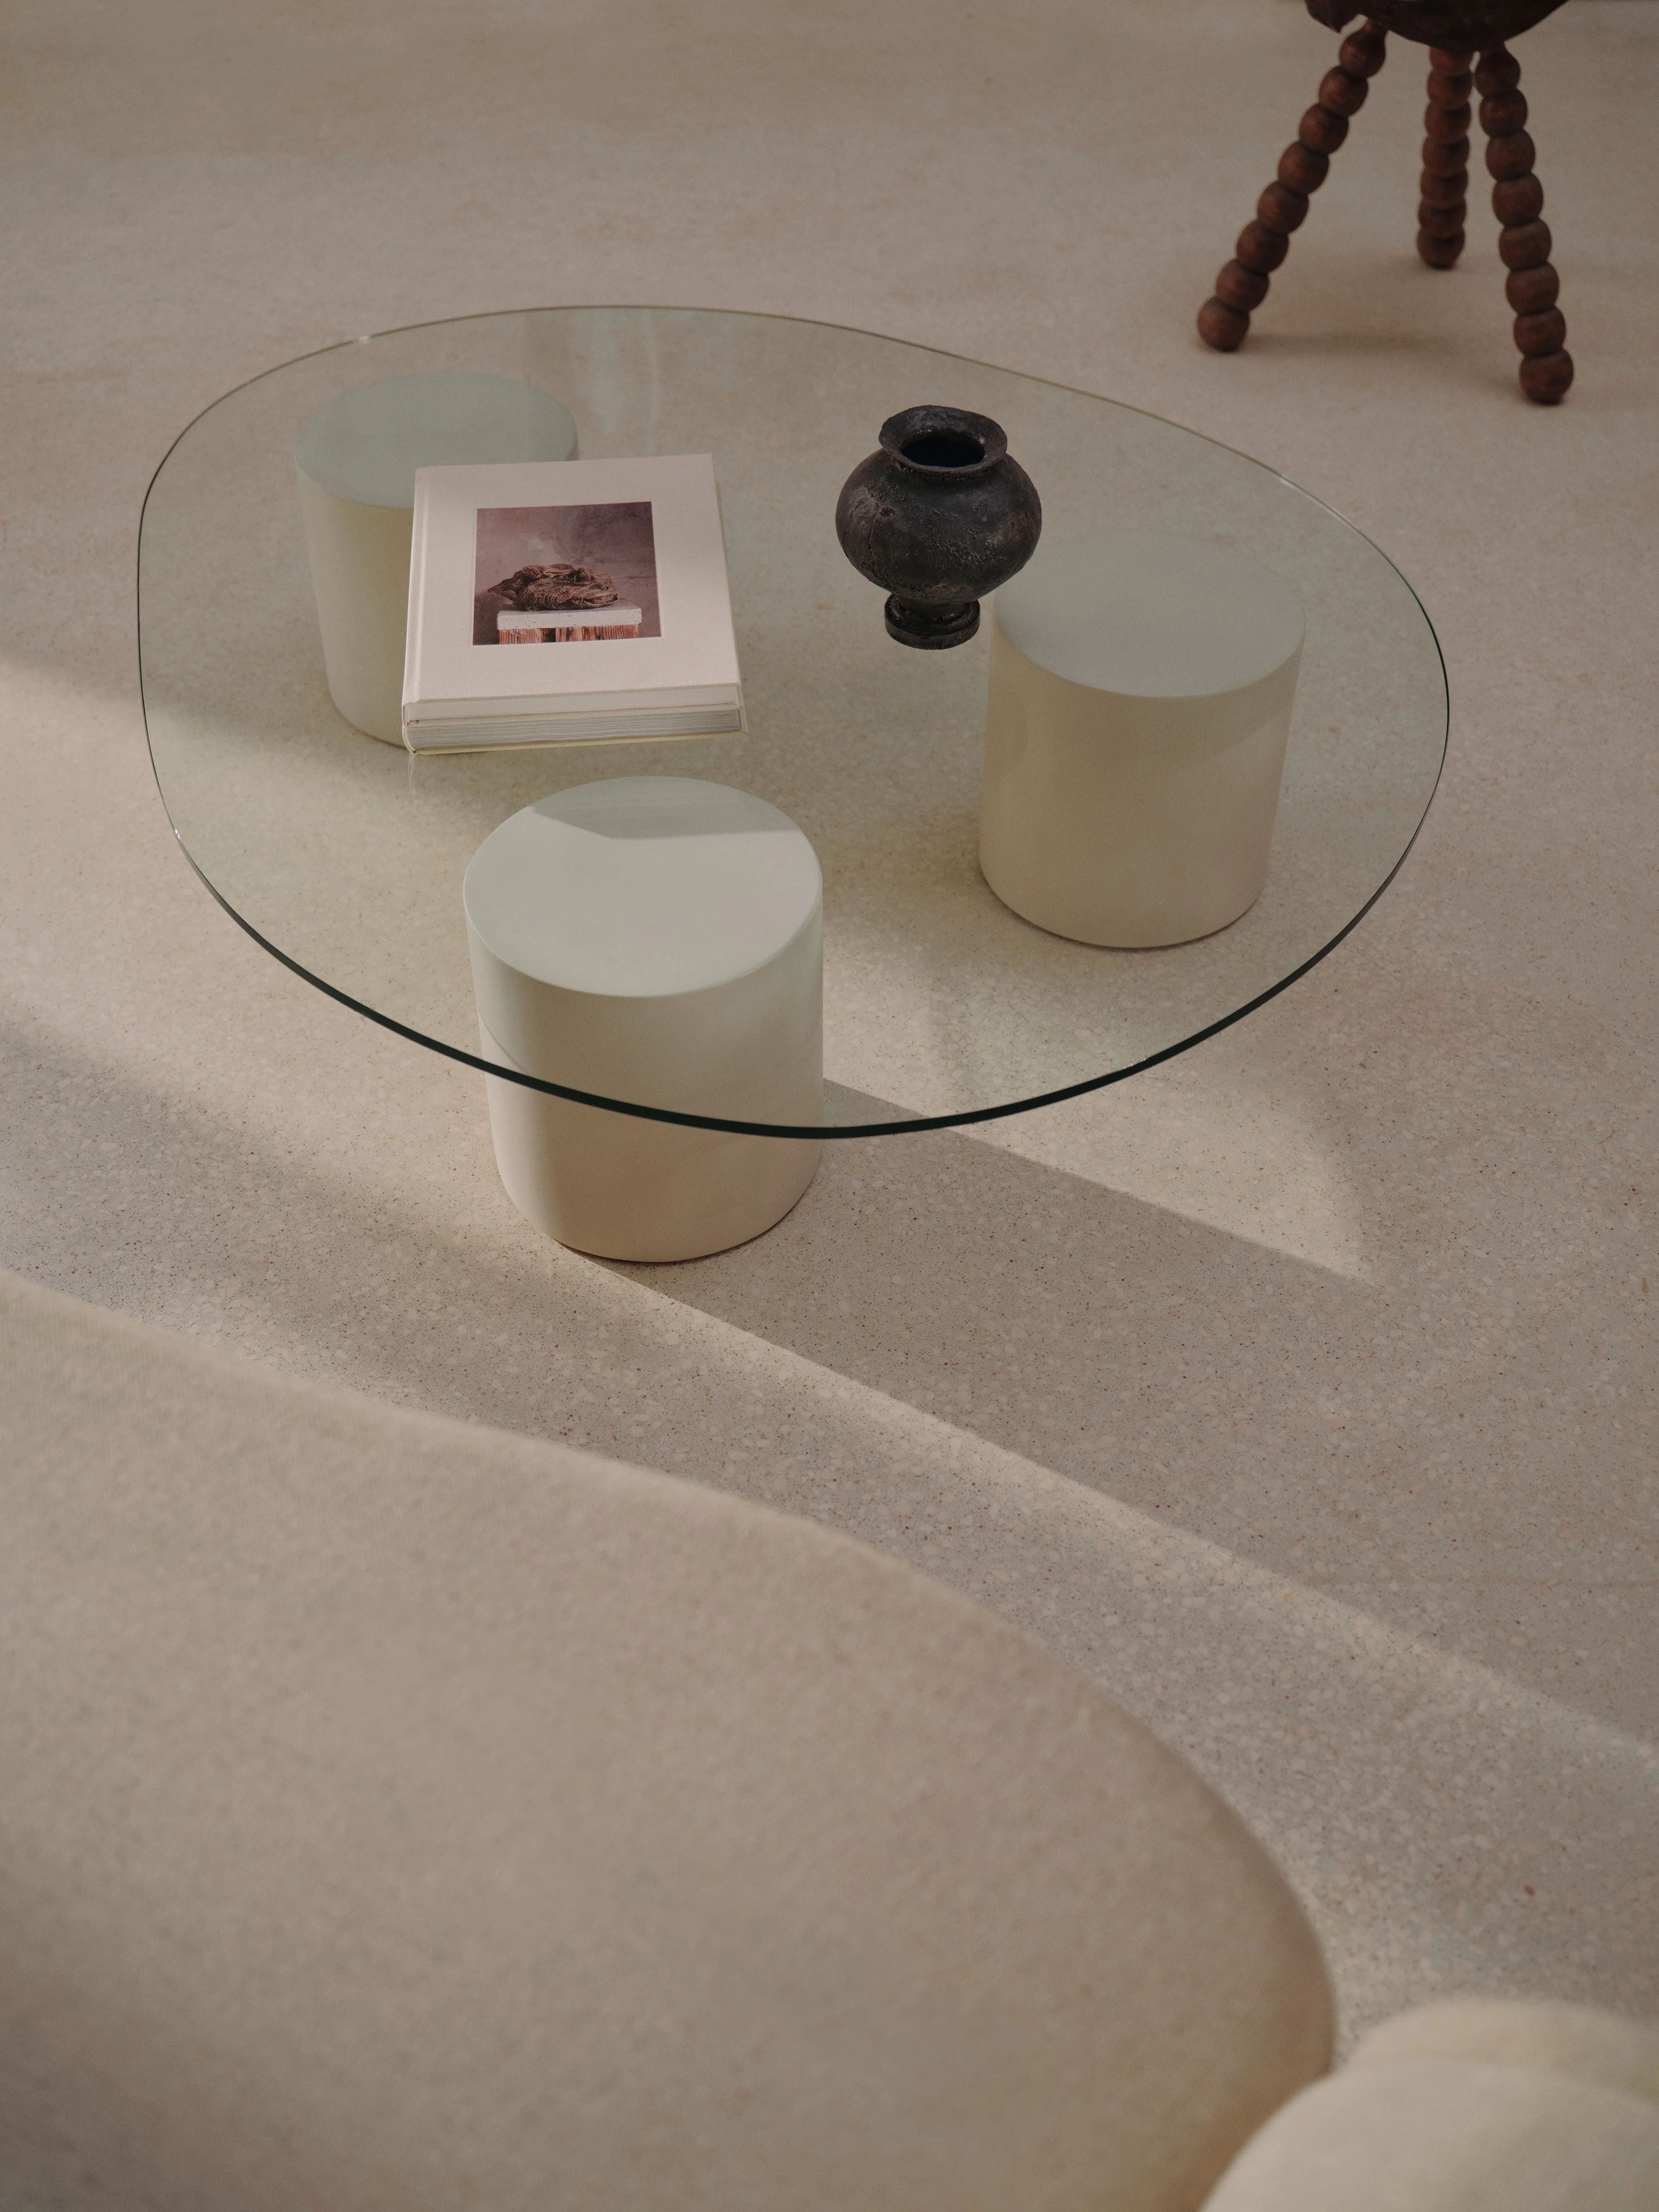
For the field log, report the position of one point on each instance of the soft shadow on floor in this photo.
(1448, 1826)
(1330, 1430)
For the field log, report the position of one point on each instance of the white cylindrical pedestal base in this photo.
(357, 458)
(656, 940)
(1140, 692)
(625, 1188)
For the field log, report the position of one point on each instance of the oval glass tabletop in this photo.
(344, 856)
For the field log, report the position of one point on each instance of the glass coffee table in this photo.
(343, 856)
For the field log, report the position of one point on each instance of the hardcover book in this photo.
(558, 601)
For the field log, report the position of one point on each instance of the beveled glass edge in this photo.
(911, 1124)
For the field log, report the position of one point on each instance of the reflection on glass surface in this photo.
(345, 855)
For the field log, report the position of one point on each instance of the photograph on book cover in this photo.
(558, 576)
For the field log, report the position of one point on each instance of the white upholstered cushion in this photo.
(401, 1815)
(1561, 2039)
(1432, 2135)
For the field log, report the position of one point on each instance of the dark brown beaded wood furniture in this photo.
(1455, 33)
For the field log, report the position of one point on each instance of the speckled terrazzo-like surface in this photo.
(1302, 1392)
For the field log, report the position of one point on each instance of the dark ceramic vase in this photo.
(939, 516)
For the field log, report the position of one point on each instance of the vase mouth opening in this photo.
(943, 441)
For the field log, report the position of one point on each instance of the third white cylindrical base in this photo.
(357, 458)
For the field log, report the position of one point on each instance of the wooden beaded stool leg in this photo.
(1467, 29)
(1224, 320)
(1518, 200)
(1445, 181)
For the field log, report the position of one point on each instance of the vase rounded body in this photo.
(939, 515)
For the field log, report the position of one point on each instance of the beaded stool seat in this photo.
(1465, 40)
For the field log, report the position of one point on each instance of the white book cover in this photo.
(617, 573)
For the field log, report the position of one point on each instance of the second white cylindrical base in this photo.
(1139, 702)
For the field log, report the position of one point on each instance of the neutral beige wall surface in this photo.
(1302, 1392)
